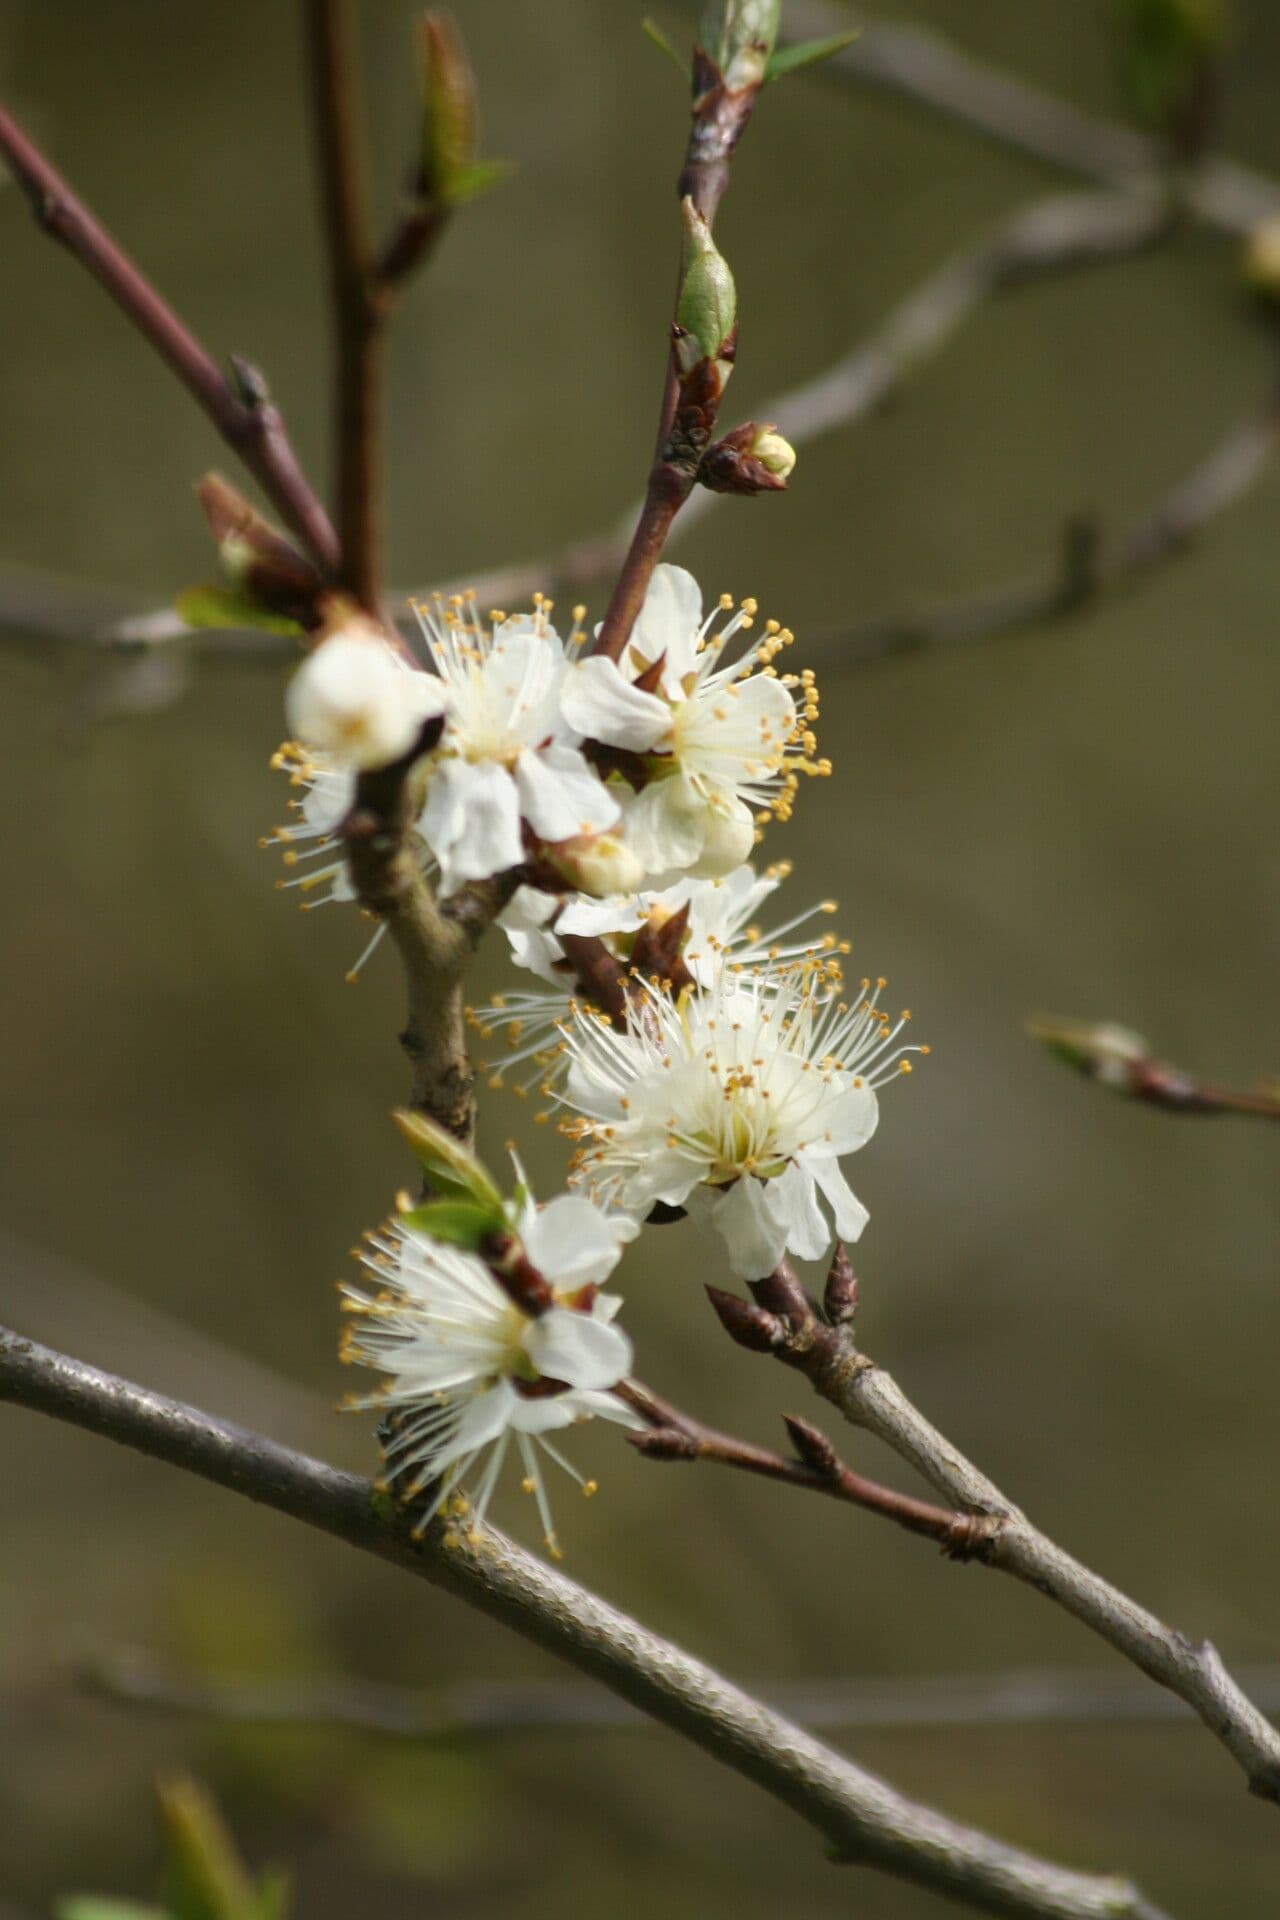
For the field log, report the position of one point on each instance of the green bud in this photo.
(452, 1171)
(1101, 1049)
(776, 455)
(707, 307)
(455, 1223)
(739, 35)
(448, 93)
(206, 1877)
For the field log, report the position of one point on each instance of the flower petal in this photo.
(599, 702)
(669, 621)
(847, 1210)
(755, 1239)
(560, 796)
(574, 1347)
(573, 1243)
(796, 1204)
(662, 829)
(471, 821)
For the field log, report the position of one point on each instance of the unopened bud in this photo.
(354, 699)
(707, 307)
(813, 1446)
(739, 35)
(840, 1300)
(751, 459)
(750, 1326)
(597, 863)
(257, 559)
(1101, 1049)
(730, 836)
(448, 106)
(665, 1443)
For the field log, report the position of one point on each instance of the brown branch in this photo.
(674, 1435)
(240, 408)
(1018, 1697)
(824, 1349)
(861, 1817)
(1122, 1061)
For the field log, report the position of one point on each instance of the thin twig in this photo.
(825, 1351)
(862, 1818)
(1018, 1697)
(927, 69)
(674, 1435)
(240, 408)
(1122, 1061)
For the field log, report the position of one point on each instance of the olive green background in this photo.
(194, 1104)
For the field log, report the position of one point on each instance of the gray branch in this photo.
(869, 1397)
(861, 1817)
(1033, 1696)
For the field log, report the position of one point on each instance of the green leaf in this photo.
(807, 53)
(455, 1223)
(94, 1906)
(653, 32)
(477, 177)
(213, 606)
(452, 1170)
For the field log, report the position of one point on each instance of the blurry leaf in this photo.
(206, 1877)
(93, 1906)
(455, 1223)
(449, 171)
(452, 1170)
(653, 32)
(214, 606)
(469, 182)
(1167, 49)
(807, 53)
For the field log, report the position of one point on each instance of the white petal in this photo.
(850, 1119)
(729, 834)
(616, 914)
(484, 1419)
(598, 702)
(560, 796)
(669, 621)
(547, 1414)
(575, 1347)
(755, 1239)
(355, 700)
(663, 830)
(471, 821)
(573, 1243)
(796, 1203)
(847, 1210)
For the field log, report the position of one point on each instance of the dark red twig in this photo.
(239, 406)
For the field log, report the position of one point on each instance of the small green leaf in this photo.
(455, 1223)
(807, 53)
(653, 32)
(452, 1170)
(208, 605)
(477, 177)
(94, 1906)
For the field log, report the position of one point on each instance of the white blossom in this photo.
(737, 1104)
(469, 1374)
(713, 741)
(358, 702)
(719, 931)
(506, 755)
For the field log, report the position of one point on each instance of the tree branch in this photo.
(1123, 1062)
(1017, 1697)
(862, 1818)
(927, 69)
(825, 1351)
(240, 408)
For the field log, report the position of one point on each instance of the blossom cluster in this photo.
(727, 1076)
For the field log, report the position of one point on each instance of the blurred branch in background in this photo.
(1091, 567)
(1033, 1696)
(785, 1323)
(1122, 1061)
(925, 68)
(864, 1820)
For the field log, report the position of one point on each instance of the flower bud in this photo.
(751, 459)
(730, 836)
(260, 563)
(707, 307)
(352, 698)
(739, 37)
(597, 863)
(1101, 1049)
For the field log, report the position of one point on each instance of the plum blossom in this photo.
(737, 1104)
(469, 1374)
(709, 744)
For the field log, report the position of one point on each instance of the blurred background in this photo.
(1082, 1292)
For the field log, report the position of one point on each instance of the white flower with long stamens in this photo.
(506, 756)
(469, 1374)
(719, 931)
(737, 1104)
(355, 700)
(712, 745)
